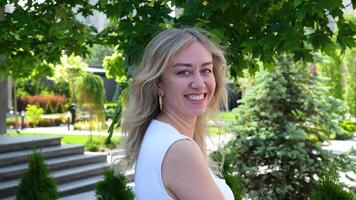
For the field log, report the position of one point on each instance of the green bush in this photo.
(350, 129)
(44, 122)
(47, 122)
(348, 125)
(11, 122)
(91, 146)
(344, 136)
(36, 182)
(113, 187)
(330, 189)
(274, 157)
(59, 121)
(34, 113)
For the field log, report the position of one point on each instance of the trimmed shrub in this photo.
(42, 101)
(10, 123)
(113, 187)
(348, 125)
(350, 129)
(59, 121)
(36, 182)
(45, 122)
(34, 114)
(92, 147)
(329, 189)
(344, 136)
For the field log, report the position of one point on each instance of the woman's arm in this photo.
(186, 175)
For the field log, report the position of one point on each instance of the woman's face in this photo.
(188, 84)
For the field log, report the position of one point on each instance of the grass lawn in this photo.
(215, 131)
(72, 139)
(227, 116)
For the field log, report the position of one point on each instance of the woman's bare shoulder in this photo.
(185, 172)
(185, 149)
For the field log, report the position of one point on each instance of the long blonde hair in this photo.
(143, 103)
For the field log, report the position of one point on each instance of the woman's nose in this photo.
(197, 82)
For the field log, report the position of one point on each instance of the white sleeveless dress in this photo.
(158, 138)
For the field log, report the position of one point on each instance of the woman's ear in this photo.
(159, 88)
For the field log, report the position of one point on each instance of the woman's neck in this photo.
(183, 124)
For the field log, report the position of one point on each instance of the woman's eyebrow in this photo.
(190, 65)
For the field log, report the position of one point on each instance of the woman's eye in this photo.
(183, 73)
(206, 71)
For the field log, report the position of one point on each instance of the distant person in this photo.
(180, 81)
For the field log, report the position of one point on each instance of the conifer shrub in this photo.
(36, 182)
(113, 187)
(273, 156)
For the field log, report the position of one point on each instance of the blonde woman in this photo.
(180, 80)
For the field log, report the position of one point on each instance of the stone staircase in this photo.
(74, 170)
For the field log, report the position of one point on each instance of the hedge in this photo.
(50, 103)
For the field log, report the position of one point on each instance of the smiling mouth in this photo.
(196, 97)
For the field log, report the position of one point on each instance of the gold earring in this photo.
(160, 101)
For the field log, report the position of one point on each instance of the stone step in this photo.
(8, 188)
(75, 188)
(18, 143)
(130, 175)
(18, 157)
(76, 173)
(89, 195)
(78, 186)
(14, 172)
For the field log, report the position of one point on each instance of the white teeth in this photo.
(196, 97)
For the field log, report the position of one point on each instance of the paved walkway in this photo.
(61, 130)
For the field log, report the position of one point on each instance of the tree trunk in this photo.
(15, 105)
(90, 123)
(3, 89)
(3, 105)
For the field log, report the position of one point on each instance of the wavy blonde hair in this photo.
(143, 103)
